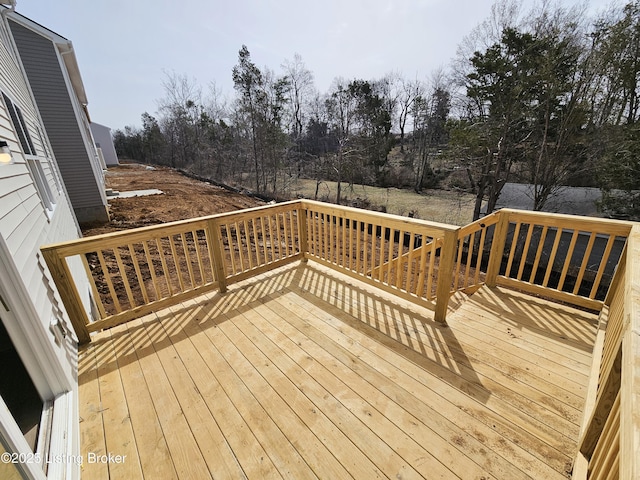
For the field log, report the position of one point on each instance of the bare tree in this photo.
(301, 93)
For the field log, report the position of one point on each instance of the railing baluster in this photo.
(358, 248)
(422, 267)
(456, 276)
(365, 242)
(351, 240)
(552, 257)
(374, 249)
(238, 241)
(525, 251)
(467, 270)
(431, 272)
(331, 239)
(165, 270)
(603, 264)
(479, 256)
(286, 217)
(567, 260)
(152, 270)
(136, 267)
(513, 248)
(392, 242)
(247, 238)
(272, 241)
(383, 244)
(263, 235)
(94, 289)
(255, 240)
(303, 232)
(585, 262)
(399, 260)
(316, 236)
(410, 282)
(107, 277)
(187, 257)
(536, 262)
(343, 233)
(176, 262)
(196, 244)
(279, 236)
(123, 276)
(285, 232)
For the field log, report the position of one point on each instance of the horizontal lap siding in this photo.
(24, 225)
(40, 60)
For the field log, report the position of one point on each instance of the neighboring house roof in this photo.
(65, 47)
(569, 200)
(52, 70)
(104, 141)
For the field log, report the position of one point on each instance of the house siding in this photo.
(102, 136)
(25, 224)
(74, 155)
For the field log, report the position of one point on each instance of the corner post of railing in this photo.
(497, 248)
(68, 293)
(445, 273)
(630, 381)
(216, 251)
(302, 230)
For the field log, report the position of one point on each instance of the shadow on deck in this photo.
(305, 373)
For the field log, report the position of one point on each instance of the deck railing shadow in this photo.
(578, 330)
(205, 311)
(560, 257)
(409, 332)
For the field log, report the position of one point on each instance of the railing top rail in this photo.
(605, 225)
(89, 244)
(384, 218)
(486, 221)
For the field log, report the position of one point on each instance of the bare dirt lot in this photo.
(183, 198)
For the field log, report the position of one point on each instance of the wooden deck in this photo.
(303, 373)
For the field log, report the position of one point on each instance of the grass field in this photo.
(436, 205)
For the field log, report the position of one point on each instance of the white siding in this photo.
(24, 223)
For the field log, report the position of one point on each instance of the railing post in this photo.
(68, 293)
(497, 248)
(630, 384)
(445, 273)
(216, 251)
(302, 231)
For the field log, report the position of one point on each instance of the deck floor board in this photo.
(304, 373)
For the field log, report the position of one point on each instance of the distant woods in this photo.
(548, 97)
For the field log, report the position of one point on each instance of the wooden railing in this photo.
(591, 263)
(397, 254)
(473, 253)
(564, 257)
(610, 439)
(135, 272)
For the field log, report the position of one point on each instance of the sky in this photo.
(126, 48)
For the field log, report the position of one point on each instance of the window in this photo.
(33, 162)
(20, 126)
(42, 186)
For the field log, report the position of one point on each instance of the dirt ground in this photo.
(183, 198)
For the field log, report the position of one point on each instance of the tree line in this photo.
(548, 97)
